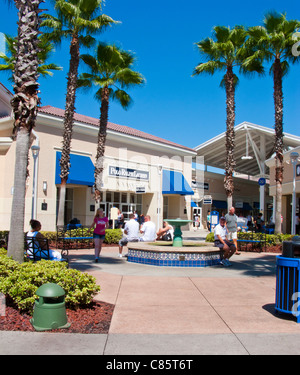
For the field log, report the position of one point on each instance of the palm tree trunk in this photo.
(278, 102)
(24, 104)
(101, 142)
(230, 135)
(68, 124)
(16, 233)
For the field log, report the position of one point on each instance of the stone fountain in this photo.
(177, 224)
(178, 254)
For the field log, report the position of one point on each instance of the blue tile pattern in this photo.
(174, 259)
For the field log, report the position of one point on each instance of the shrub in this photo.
(271, 239)
(113, 236)
(210, 237)
(21, 281)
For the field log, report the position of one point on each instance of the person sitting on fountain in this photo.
(223, 243)
(165, 233)
(148, 230)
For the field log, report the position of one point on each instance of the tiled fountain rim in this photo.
(169, 256)
(170, 249)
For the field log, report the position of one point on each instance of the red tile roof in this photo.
(48, 109)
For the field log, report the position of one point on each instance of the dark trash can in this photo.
(288, 286)
(291, 249)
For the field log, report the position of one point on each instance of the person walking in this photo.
(100, 223)
(208, 220)
(222, 242)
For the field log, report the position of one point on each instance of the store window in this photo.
(126, 202)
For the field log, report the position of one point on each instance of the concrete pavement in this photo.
(176, 311)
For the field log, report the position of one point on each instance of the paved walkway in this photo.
(176, 311)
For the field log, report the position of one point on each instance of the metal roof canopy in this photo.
(253, 142)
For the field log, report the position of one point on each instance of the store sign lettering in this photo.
(128, 173)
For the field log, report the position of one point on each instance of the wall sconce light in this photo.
(44, 186)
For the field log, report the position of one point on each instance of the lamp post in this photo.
(294, 158)
(35, 153)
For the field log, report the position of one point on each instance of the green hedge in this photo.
(271, 239)
(20, 282)
(112, 236)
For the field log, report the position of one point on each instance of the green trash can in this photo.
(49, 310)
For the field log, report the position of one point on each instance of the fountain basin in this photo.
(168, 256)
(177, 224)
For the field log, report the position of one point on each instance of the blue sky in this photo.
(173, 104)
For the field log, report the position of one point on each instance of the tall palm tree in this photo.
(110, 70)
(225, 51)
(45, 49)
(274, 44)
(24, 104)
(78, 20)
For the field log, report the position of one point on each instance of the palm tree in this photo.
(274, 43)
(24, 104)
(111, 71)
(45, 49)
(225, 51)
(78, 20)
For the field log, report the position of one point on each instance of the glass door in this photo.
(127, 209)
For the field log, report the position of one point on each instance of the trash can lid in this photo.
(50, 290)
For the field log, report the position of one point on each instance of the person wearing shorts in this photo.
(222, 242)
(131, 233)
(100, 223)
(231, 225)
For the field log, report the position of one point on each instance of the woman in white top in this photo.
(36, 245)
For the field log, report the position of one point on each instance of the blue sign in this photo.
(262, 181)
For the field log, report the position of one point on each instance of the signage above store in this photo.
(133, 174)
(200, 185)
(140, 189)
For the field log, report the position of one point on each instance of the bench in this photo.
(69, 237)
(38, 249)
(256, 239)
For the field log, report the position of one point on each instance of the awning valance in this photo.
(175, 183)
(81, 170)
(219, 204)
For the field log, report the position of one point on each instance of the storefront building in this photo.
(291, 174)
(253, 146)
(142, 173)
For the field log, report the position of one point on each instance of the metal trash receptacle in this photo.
(288, 286)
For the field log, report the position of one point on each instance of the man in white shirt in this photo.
(223, 243)
(131, 232)
(148, 230)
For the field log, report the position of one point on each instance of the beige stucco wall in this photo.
(131, 154)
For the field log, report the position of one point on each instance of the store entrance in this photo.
(127, 209)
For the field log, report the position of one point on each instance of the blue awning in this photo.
(247, 207)
(175, 183)
(81, 170)
(193, 204)
(219, 204)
